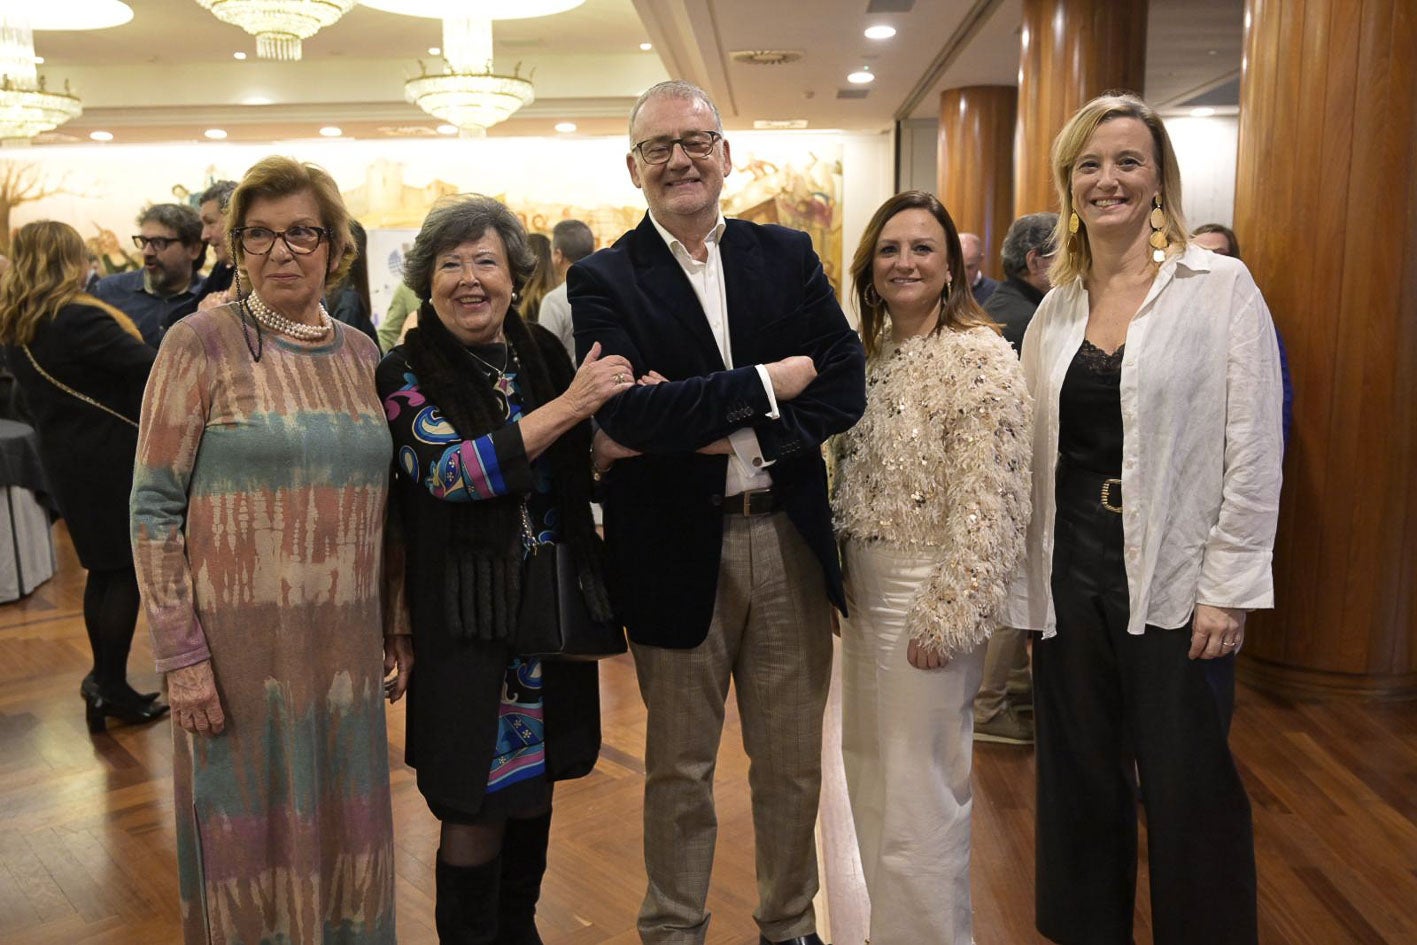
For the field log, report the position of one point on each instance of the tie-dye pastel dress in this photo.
(258, 514)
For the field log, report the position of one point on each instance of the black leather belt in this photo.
(755, 502)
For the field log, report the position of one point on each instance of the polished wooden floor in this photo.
(86, 822)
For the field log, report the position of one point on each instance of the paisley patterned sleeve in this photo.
(430, 453)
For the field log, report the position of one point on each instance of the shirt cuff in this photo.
(772, 398)
(746, 447)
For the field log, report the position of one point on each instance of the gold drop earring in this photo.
(1158, 232)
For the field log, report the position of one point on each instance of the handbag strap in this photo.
(86, 398)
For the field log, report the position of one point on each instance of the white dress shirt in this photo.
(555, 316)
(1202, 443)
(747, 469)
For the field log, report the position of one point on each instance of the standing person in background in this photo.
(391, 327)
(167, 287)
(722, 561)
(930, 507)
(979, 284)
(349, 299)
(543, 278)
(82, 365)
(571, 241)
(258, 516)
(1005, 700)
(212, 209)
(1156, 470)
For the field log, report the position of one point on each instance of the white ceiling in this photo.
(169, 74)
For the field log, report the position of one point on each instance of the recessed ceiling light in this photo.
(216, 134)
(330, 131)
(39, 60)
(255, 100)
(238, 56)
(880, 32)
(1202, 112)
(101, 135)
(447, 129)
(646, 47)
(435, 50)
(565, 127)
(861, 77)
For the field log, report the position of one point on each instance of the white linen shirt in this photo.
(747, 468)
(1202, 443)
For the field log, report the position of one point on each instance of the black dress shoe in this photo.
(809, 939)
(131, 707)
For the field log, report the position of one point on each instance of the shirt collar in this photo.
(676, 246)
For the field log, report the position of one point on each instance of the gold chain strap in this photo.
(73, 393)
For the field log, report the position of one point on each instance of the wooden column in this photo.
(975, 157)
(1326, 211)
(1071, 51)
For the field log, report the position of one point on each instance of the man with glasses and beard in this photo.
(167, 287)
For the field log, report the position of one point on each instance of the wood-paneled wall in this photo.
(975, 148)
(1326, 208)
(1070, 52)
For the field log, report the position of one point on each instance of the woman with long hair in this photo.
(542, 279)
(930, 506)
(82, 365)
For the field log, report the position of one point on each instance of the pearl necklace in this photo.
(278, 323)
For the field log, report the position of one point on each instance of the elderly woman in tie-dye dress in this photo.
(258, 515)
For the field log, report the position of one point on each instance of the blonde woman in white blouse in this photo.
(930, 506)
(1156, 465)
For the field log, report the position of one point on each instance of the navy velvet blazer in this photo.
(663, 510)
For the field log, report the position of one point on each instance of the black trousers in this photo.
(1109, 705)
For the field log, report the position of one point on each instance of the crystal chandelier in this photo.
(279, 25)
(27, 106)
(467, 93)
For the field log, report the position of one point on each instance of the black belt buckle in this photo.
(1112, 488)
(752, 502)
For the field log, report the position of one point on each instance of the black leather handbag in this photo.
(553, 621)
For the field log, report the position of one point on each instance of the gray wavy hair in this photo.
(461, 219)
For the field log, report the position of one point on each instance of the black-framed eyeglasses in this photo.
(259, 240)
(696, 144)
(158, 243)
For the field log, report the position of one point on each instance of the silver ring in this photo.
(1223, 643)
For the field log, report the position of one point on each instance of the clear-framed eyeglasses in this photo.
(696, 144)
(259, 240)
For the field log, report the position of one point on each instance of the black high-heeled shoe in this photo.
(130, 707)
(90, 685)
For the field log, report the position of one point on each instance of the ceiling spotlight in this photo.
(255, 100)
(216, 134)
(435, 50)
(1202, 112)
(880, 32)
(330, 131)
(565, 127)
(447, 129)
(646, 47)
(861, 77)
(39, 60)
(101, 135)
(239, 56)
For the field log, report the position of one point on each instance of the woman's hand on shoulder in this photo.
(922, 656)
(596, 381)
(196, 707)
(1216, 631)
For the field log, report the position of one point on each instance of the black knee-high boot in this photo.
(466, 908)
(523, 865)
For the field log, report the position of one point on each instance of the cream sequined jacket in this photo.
(941, 460)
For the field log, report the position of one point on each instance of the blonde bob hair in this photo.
(49, 262)
(276, 177)
(1074, 258)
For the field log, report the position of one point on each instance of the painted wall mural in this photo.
(794, 180)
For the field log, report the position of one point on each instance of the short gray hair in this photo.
(574, 239)
(179, 218)
(461, 219)
(674, 88)
(220, 191)
(1028, 233)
